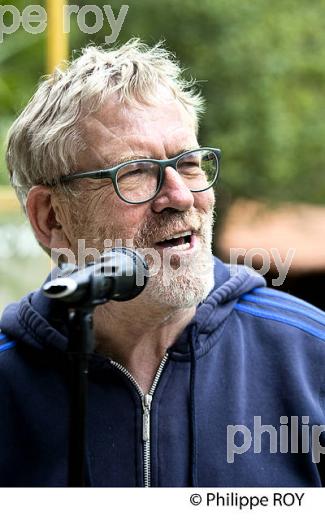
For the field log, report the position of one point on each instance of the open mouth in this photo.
(179, 241)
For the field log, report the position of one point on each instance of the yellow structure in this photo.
(57, 40)
(57, 51)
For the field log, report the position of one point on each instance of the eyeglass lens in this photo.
(139, 181)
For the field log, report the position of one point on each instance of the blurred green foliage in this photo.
(261, 67)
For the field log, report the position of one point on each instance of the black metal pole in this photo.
(81, 343)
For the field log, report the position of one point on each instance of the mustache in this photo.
(155, 228)
(169, 222)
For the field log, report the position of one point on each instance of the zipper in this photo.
(146, 400)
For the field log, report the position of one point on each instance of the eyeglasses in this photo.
(139, 181)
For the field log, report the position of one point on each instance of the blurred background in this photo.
(261, 68)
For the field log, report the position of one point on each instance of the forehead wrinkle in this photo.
(117, 141)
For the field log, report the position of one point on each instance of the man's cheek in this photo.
(205, 200)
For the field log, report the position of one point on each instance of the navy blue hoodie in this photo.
(252, 357)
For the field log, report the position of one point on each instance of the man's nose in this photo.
(173, 194)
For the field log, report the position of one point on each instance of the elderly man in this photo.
(207, 378)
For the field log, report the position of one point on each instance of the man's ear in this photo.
(46, 220)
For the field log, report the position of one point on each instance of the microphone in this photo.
(120, 274)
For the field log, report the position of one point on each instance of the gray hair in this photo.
(45, 139)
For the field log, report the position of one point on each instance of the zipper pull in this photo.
(146, 405)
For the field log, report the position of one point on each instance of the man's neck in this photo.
(124, 332)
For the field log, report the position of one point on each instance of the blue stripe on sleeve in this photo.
(7, 346)
(280, 318)
(299, 310)
(272, 293)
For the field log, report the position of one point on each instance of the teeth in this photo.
(178, 235)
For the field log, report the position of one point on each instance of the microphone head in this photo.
(129, 272)
(120, 274)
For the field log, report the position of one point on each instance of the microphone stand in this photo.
(81, 345)
(113, 278)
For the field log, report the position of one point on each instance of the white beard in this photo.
(184, 290)
(183, 281)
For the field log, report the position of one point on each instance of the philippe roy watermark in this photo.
(171, 261)
(90, 19)
(291, 436)
(265, 258)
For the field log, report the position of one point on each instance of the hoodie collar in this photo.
(231, 281)
(37, 321)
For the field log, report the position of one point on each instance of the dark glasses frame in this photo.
(111, 173)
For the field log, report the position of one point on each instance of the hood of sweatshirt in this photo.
(36, 320)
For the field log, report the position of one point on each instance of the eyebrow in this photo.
(139, 156)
